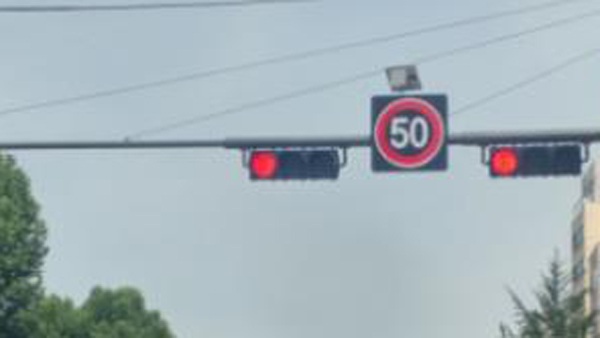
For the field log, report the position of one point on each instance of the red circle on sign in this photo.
(383, 140)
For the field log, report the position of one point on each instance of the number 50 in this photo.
(407, 131)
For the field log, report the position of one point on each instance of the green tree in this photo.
(22, 248)
(54, 317)
(122, 313)
(119, 313)
(560, 313)
(24, 310)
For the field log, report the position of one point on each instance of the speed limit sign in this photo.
(409, 133)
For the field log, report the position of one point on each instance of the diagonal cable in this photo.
(280, 59)
(526, 82)
(66, 8)
(255, 104)
(362, 76)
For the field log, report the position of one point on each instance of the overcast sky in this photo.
(386, 255)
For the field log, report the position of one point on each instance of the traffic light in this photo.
(535, 160)
(294, 164)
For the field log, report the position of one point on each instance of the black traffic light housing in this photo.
(535, 160)
(294, 164)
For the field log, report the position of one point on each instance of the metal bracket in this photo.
(344, 161)
(484, 155)
(586, 152)
(245, 158)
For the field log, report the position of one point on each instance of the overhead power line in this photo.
(64, 8)
(526, 82)
(362, 76)
(255, 104)
(282, 59)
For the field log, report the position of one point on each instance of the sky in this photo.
(370, 255)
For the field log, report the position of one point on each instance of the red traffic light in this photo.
(263, 164)
(536, 160)
(294, 164)
(504, 161)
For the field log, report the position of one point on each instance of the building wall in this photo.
(585, 242)
(590, 184)
(585, 239)
(594, 290)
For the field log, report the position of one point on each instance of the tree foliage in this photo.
(24, 310)
(54, 317)
(22, 247)
(122, 314)
(105, 314)
(559, 312)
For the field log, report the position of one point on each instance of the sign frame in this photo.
(409, 133)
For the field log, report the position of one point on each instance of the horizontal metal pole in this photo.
(90, 145)
(483, 139)
(480, 139)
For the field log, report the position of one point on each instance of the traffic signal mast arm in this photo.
(484, 139)
(481, 139)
